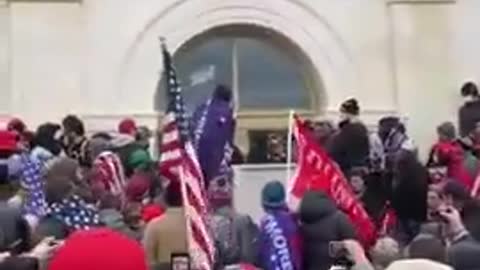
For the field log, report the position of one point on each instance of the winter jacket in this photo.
(417, 264)
(236, 237)
(468, 116)
(350, 147)
(114, 220)
(464, 254)
(13, 227)
(409, 188)
(321, 223)
(50, 226)
(19, 263)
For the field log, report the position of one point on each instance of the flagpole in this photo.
(289, 146)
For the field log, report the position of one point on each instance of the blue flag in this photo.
(280, 242)
(213, 131)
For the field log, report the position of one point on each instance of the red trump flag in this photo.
(317, 171)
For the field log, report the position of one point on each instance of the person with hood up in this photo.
(67, 210)
(280, 239)
(99, 249)
(45, 144)
(409, 195)
(449, 153)
(321, 223)
(350, 146)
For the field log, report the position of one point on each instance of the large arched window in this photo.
(268, 74)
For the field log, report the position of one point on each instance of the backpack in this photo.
(236, 238)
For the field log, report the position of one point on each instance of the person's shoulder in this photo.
(50, 226)
(420, 264)
(155, 224)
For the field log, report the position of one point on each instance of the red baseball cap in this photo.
(127, 126)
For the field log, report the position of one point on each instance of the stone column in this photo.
(5, 94)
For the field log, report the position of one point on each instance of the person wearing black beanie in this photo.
(350, 147)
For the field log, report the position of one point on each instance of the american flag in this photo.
(179, 164)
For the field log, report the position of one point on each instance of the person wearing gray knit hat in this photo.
(446, 131)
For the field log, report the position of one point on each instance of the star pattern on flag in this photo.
(174, 97)
(75, 213)
(31, 181)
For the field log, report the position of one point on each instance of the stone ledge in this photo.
(419, 2)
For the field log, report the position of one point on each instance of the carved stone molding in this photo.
(330, 55)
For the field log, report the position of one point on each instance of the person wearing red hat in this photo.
(138, 190)
(128, 126)
(16, 125)
(99, 249)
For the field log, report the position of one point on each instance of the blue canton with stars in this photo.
(75, 213)
(174, 95)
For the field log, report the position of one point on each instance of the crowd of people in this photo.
(75, 201)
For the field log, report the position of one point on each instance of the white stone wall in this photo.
(100, 58)
(4, 58)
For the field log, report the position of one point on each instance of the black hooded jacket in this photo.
(464, 254)
(350, 146)
(468, 116)
(321, 223)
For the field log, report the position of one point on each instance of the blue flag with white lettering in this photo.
(280, 241)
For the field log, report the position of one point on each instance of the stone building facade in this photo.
(101, 60)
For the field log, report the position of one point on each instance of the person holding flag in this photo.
(179, 165)
(316, 171)
(213, 128)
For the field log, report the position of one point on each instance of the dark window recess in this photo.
(267, 146)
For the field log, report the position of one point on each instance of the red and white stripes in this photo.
(201, 248)
(170, 149)
(178, 162)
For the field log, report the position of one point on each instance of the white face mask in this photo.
(343, 117)
(468, 99)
